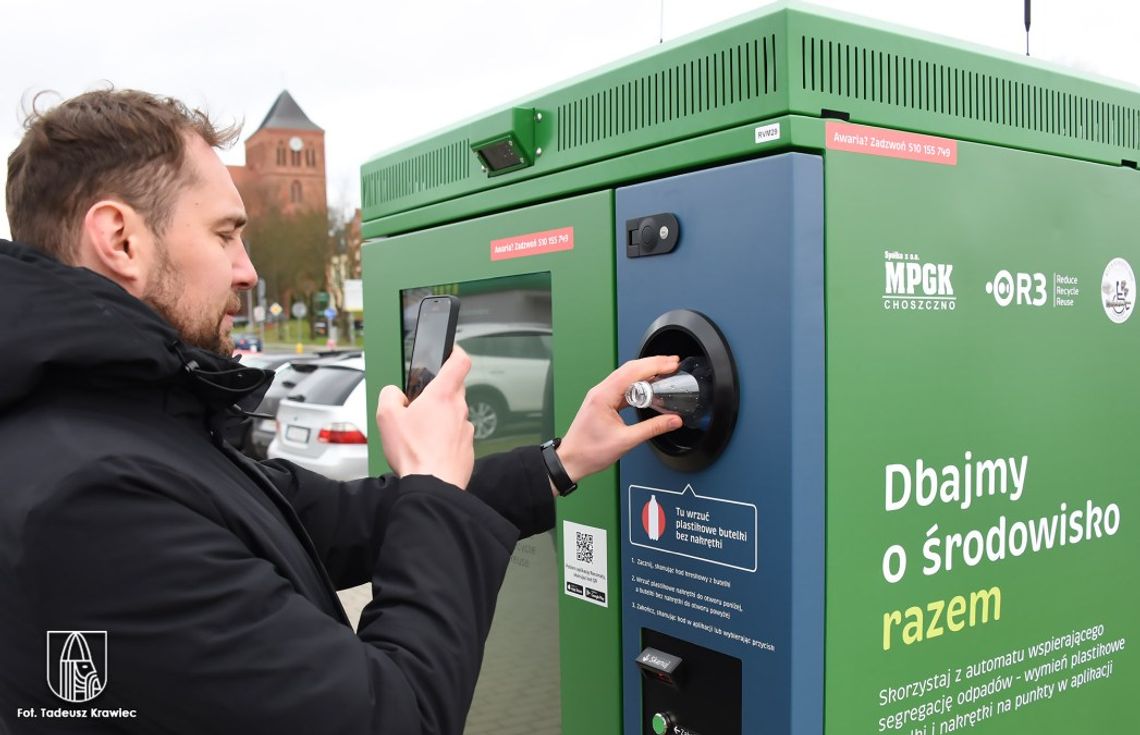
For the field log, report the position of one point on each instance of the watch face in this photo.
(296, 143)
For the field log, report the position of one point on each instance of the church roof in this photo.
(286, 113)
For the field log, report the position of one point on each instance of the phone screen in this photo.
(435, 331)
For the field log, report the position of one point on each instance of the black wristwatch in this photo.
(562, 482)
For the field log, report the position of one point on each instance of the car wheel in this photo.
(486, 414)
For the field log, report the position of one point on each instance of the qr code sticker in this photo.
(585, 547)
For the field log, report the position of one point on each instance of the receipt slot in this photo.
(713, 515)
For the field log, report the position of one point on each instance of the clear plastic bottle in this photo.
(686, 393)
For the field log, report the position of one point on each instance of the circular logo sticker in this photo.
(1118, 290)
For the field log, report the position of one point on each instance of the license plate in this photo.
(297, 434)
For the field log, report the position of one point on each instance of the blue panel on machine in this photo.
(723, 567)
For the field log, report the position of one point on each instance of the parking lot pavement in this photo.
(354, 599)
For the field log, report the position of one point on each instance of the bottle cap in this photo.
(639, 394)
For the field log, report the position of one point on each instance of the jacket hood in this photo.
(68, 323)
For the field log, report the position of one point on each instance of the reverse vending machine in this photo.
(901, 272)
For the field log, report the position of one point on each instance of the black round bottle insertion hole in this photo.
(688, 333)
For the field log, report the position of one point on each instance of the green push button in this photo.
(661, 724)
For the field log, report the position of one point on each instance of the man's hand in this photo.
(431, 435)
(598, 437)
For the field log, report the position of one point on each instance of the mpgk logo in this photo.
(912, 285)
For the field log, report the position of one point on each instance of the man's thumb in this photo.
(656, 426)
(390, 399)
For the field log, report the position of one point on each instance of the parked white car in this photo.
(323, 425)
(509, 377)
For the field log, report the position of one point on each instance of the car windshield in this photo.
(328, 386)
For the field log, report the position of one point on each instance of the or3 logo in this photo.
(1018, 288)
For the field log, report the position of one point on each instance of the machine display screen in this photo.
(505, 326)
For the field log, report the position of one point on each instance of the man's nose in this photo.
(244, 274)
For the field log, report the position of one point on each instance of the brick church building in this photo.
(284, 171)
(284, 163)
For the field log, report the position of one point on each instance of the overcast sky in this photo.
(375, 73)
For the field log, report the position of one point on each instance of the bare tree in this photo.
(289, 250)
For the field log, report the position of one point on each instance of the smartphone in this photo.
(433, 340)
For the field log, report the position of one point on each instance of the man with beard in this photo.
(214, 577)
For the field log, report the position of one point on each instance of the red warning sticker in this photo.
(536, 243)
(843, 136)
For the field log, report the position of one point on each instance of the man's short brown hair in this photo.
(119, 144)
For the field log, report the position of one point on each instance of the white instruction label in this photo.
(768, 133)
(584, 563)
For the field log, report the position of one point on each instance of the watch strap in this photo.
(562, 482)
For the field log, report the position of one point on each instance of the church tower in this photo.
(284, 162)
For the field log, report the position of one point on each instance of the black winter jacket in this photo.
(214, 577)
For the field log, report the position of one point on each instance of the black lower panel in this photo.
(705, 698)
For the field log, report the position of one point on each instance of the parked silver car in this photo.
(322, 425)
(287, 379)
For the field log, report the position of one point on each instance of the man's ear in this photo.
(115, 242)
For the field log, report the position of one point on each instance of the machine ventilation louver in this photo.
(847, 71)
(438, 167)
(735, 74)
